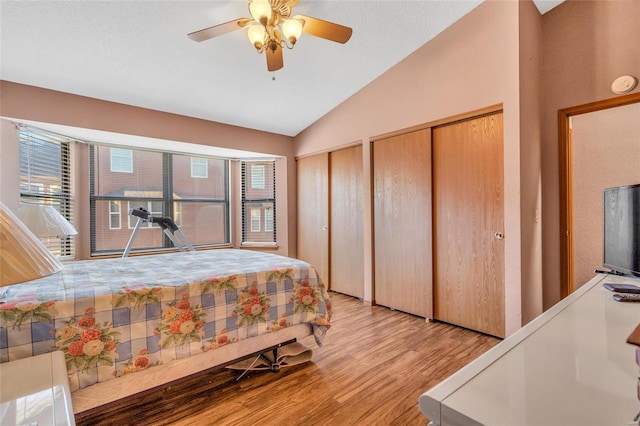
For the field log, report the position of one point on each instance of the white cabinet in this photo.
(569, 366)
(35, 391)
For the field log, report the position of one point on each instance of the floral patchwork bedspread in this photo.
(118, 316)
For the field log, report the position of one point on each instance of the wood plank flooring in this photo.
(373, 367)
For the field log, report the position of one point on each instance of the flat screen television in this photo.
(622, 229)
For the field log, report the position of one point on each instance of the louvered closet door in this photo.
(313, 212)
(468, 222)
(346, 245)
(402, 222)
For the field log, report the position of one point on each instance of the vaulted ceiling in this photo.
(138, 53)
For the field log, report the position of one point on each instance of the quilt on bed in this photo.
(114, 317)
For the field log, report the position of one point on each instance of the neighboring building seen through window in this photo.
(192, 191)
(258, 202)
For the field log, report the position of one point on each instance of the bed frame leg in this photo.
(275, 366)
(271, 364)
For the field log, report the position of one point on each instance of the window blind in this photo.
(258, 201)
(45, 178)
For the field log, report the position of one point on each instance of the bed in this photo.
(126, 325)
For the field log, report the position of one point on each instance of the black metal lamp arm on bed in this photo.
(167, 224)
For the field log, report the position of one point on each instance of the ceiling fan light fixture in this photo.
(260, 10)
(256, 34)
(292, 29)
(272, 29)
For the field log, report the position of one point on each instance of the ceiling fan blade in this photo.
(274, 59)
(325, 29)
(218, 30)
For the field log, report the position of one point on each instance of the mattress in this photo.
(117, 317)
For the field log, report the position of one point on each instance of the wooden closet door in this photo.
(313, 212)
(402, 222)
(346, 236)
(468, 219)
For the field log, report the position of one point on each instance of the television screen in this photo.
(622, 229)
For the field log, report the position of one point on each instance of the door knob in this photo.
(499, 235)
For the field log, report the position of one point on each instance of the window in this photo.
(199, 168)
(268, 219)
(45, 178)
(258, 202)
(177, 214)
(257, 176)
(33, 188)
(115, 217)
(163, 184)
(121, 160)
(256, 219)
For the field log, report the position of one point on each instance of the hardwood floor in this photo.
(374, 365)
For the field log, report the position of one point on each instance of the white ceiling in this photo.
(138, 53)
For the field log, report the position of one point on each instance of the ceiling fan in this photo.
(273, 28)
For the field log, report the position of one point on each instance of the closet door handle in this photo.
(499, 235)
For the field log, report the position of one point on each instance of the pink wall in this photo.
(530, 176)
(38, 104)
(586, 45)
(471, 65)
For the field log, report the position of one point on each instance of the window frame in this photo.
(171, 203)
(261, 203)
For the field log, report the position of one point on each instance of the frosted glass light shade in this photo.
(256, 35)
(45, 221)
(23, 257)
(292, 28)
(260, 10)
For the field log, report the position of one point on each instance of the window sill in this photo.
(260, 245)
(97, 256)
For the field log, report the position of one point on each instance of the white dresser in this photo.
(35, 392)
(569, 366)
